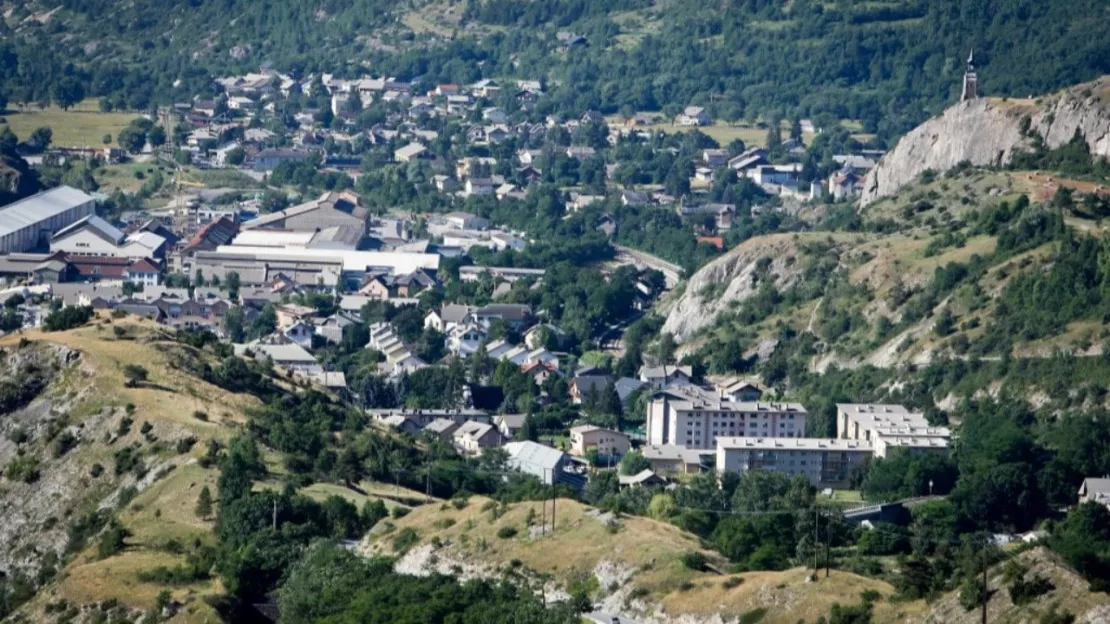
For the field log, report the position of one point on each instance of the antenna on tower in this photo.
(971, 79)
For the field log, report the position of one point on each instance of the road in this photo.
(606, 618)
(672, 272)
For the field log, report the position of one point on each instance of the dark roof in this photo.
(486, 397)
(585, 383)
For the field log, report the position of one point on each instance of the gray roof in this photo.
(40, 207)
(533, 454)
(441, 425)
(625, 386)
(105, 230)
(278, 353)
(512, 421)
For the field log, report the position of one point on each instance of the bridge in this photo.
(885, 511)
(671, 272)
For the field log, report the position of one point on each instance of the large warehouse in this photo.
(30, 222)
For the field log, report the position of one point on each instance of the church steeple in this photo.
(971, 80)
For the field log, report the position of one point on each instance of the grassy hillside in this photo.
(936, 271)
(630, 563)
(159, 516)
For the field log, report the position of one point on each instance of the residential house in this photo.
(409, 153)
(694, 116)
(478, 186)
(606, 442)
(549, 465)
(509, 424)
(471, 438)
(742, 390)
(463, 339)
(402, 424)
(143, 272)
(644, 478)
(466, 221)
(299, 333)
(673, 459)
(1095, 490)
(715, 158)
(661, 376)
(635, 198)
(442, 428)
(582, 386)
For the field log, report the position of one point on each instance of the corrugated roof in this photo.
(533, 454)
(40, 207)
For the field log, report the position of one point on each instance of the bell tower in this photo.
(971, 80)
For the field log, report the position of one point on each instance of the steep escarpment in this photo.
(988, 131)
(729, 280)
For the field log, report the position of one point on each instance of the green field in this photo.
(722, 133)
(80, 126)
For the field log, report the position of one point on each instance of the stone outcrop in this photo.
(728, 279)
(988, 131)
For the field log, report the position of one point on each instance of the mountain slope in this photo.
(988, 132)
(100, 448)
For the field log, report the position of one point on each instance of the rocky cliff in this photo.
(729, 280)
(988, 131)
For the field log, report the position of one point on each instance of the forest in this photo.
(889, 65)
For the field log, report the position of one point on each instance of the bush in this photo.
(67, 318)
(64, 443)
(112, 542)
(96, 470)
(507, 532)
(184, 445)
(732, 582)
(1023, 592)
(399, 512)
(405, 539)
(199, 415)
(25, 469)
(695, 560)
(753, 616)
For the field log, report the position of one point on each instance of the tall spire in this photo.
(971, 79)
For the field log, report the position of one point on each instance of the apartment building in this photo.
(696, 418)
(890, 426)
(822, 461)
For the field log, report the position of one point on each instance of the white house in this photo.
(694, 116)
(93, 236)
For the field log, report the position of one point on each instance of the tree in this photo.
(233, 286)
(234, 324)
(67, 92)
(204, 503)
(157, 136)
(42, 138)
(134, 374)
(634, 462)
(236, 156)
(131, 139)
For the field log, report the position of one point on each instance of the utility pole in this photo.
(816, 541)
(554, 495)
(428, 483)
(828, 545)
(275, 515)
(986, 594)
(543, 520)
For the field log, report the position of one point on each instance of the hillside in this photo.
(95, 446)
(633, 566)
(964, 249)
(989, 131)
(889, 64)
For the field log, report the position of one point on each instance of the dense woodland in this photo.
(888, 64)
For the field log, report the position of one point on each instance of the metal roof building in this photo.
(29, 222)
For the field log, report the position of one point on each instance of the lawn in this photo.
(81, 126)
(722, 133)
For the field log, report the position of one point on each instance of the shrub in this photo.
(399, 512)
(460, 501)
(184, 445)
(507, 532)
(96, 470)
(199, 415)
(695, 560)
(732, 582)
(1023, 592)
(445, 523)
(64, 443)
(405, 539)
(67, 318)
(112, 542)
(753, 616)
(25, 469)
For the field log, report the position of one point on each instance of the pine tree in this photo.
(204, 503)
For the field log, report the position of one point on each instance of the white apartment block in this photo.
(821, 461)
(888, 427)
(695, 418)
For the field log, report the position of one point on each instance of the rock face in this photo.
(728, 279)
(987, 132)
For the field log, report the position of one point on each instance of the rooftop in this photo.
(798, 444)
(40, 207)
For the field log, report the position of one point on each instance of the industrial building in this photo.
(29, 223)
